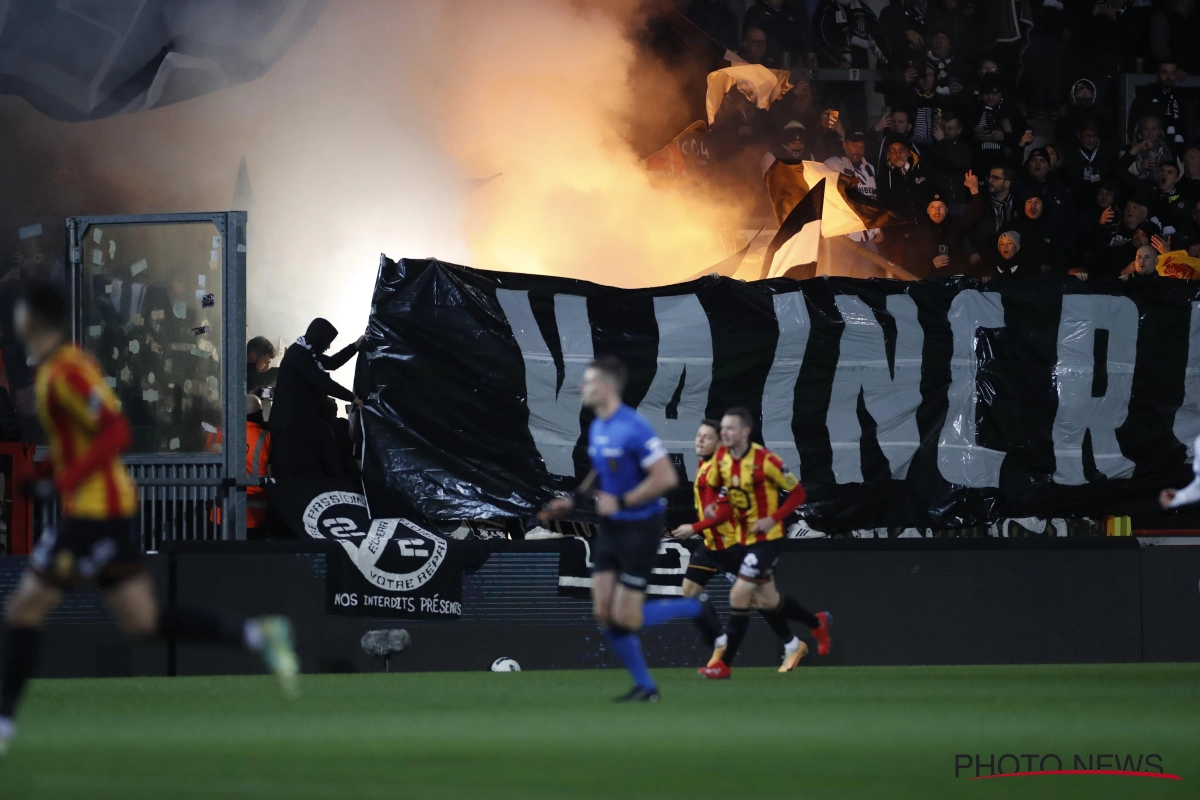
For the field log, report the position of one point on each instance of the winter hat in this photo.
(1014, 236)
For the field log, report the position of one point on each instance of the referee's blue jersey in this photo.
(622, 448)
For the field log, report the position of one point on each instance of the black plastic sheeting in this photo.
(938, 404)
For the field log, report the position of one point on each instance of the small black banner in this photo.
(387, 567)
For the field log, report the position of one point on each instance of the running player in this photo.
(753, 477)
(634, 472)
(96, 541)
(1174, 498)
(722, 550)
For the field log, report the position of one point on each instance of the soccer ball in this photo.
(505, 664)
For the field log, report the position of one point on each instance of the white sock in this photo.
(252, 635)
(793, 645)
(7, 728)
(722, 640)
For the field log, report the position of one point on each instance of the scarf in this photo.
(942, 68)
(987, 122)
(316, 357)
(1158, 154)
(1001, 210)
(922, 132)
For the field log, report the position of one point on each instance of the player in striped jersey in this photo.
(722, 549)
(753, 477)
(96, 541)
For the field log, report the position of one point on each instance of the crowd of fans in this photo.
(997, 136)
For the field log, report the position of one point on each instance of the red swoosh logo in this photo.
(1129, 773)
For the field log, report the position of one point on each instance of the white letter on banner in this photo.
(1078, 411)
(1187, 418)
(779, 392)
(684, 351)
(891, 397)
(553, 414)
(960, 459)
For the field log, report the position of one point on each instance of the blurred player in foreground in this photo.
(96, 541)
(722, 550)
(1174, 498)
(634, 472)
(753, 477)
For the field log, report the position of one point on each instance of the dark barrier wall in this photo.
(897, 602)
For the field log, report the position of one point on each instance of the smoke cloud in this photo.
(368, 134)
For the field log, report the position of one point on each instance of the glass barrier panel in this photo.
(152, 317)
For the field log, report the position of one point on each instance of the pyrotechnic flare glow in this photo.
(366, 136)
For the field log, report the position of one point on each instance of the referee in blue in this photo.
(634, 472)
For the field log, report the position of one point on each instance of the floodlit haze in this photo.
(366, 136)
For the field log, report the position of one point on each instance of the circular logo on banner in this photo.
(393, 554)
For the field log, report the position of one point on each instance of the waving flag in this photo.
(799, 237)
(843, 211)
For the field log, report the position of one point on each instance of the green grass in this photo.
(837, 732)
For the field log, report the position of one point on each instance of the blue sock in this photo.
(661, 611)
(629, 648)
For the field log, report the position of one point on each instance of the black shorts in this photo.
(758, 561)
(104, 552)
(706, 563)
(628, 547)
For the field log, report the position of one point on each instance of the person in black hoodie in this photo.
(1084, 111)
(299, 433)
(1040, 239)
(952, 156)
(933, 254)
(903, 185)
(1059, 203)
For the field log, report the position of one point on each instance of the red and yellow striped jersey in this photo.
(752, 485)
(724, 534)
(87, 432)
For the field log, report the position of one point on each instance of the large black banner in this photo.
(939, 404)
(378, 567)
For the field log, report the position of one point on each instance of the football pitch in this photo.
(824, 733)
